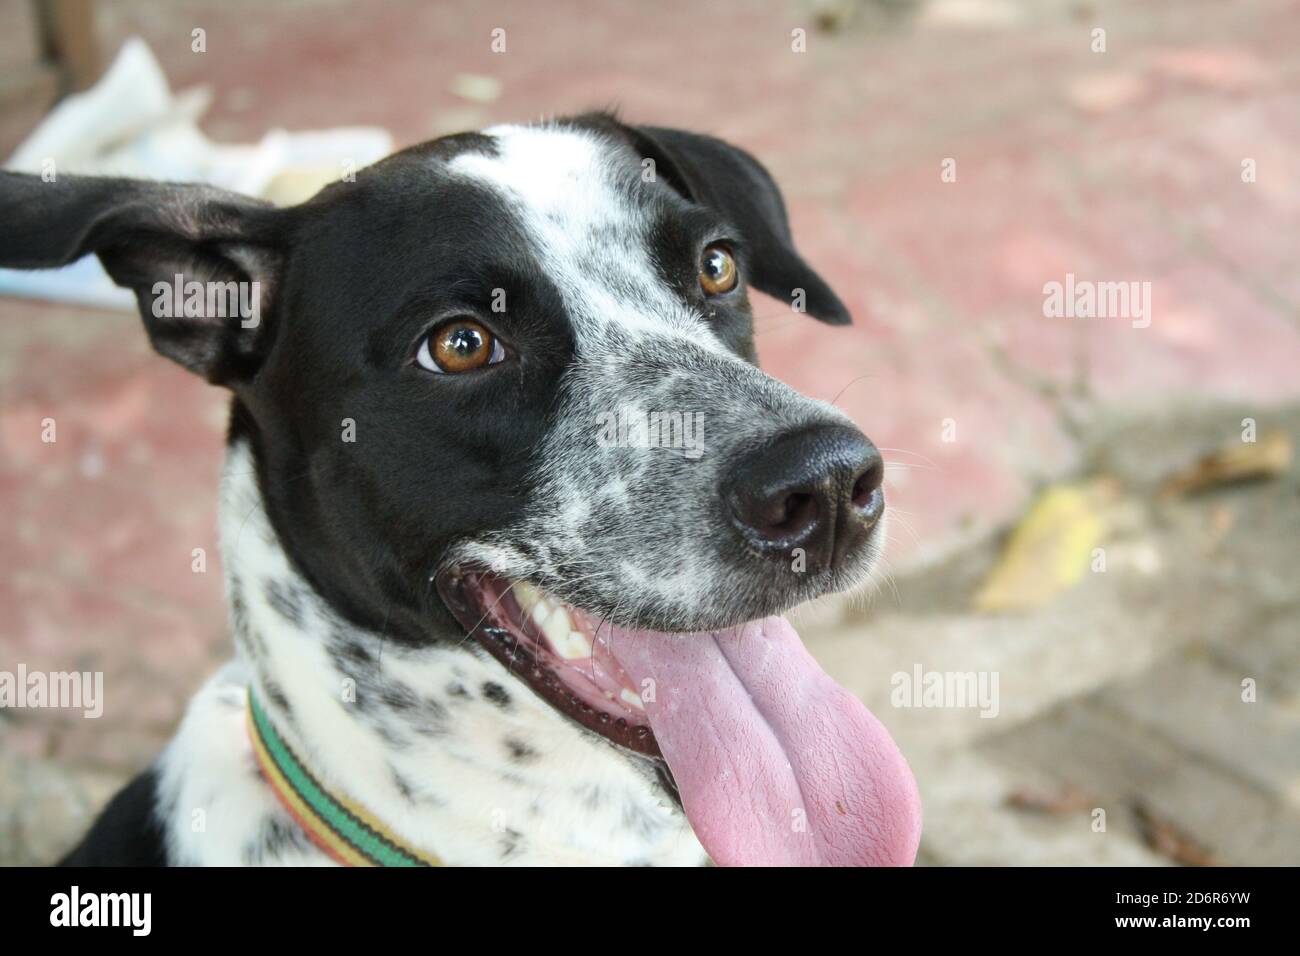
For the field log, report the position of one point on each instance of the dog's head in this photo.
(503, 384)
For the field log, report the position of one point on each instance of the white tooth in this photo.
(556, 626)
(577, 647)
(527, 596)
(632, 697)
(540, 613)
(567, 642)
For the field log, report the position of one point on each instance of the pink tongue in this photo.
(777, 764)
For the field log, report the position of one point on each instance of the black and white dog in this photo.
(492, 627)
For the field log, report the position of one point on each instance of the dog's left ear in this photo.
(712, 173)
(152, 237)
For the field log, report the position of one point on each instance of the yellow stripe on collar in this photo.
(345, 830)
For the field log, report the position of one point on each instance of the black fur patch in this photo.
(497, 694)
(520, 752)
(286, 599)
(511, 843)
(398, 697)
(403, 785)
(277, 696)
(128, 832)
(273, 838)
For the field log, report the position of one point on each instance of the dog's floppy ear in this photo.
(716, 174)
(228, 251)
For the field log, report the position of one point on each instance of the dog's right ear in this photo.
(147, 235)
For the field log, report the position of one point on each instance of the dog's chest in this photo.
(219, 810)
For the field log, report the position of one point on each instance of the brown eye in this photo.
(717, 270)
(460, 345)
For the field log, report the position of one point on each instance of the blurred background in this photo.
(1097, 517)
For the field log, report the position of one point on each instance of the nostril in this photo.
(780, 519)
(798, 514)
(866, 490)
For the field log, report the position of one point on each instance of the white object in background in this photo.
(130, 97)
(131, 124)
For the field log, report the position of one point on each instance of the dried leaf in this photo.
(1067, 799)
(1167, 840)
(1051, 548)
(1267, 457)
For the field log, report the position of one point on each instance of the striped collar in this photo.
(345, 830)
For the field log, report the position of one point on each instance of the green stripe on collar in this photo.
(342, 828)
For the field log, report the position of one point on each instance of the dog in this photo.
(474, 623)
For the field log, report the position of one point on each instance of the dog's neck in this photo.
(440, 743)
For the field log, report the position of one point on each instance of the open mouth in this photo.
(774, 763)
(562, 653)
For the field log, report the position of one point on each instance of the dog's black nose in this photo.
(817, 489)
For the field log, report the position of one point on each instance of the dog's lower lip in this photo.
(504, 633)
